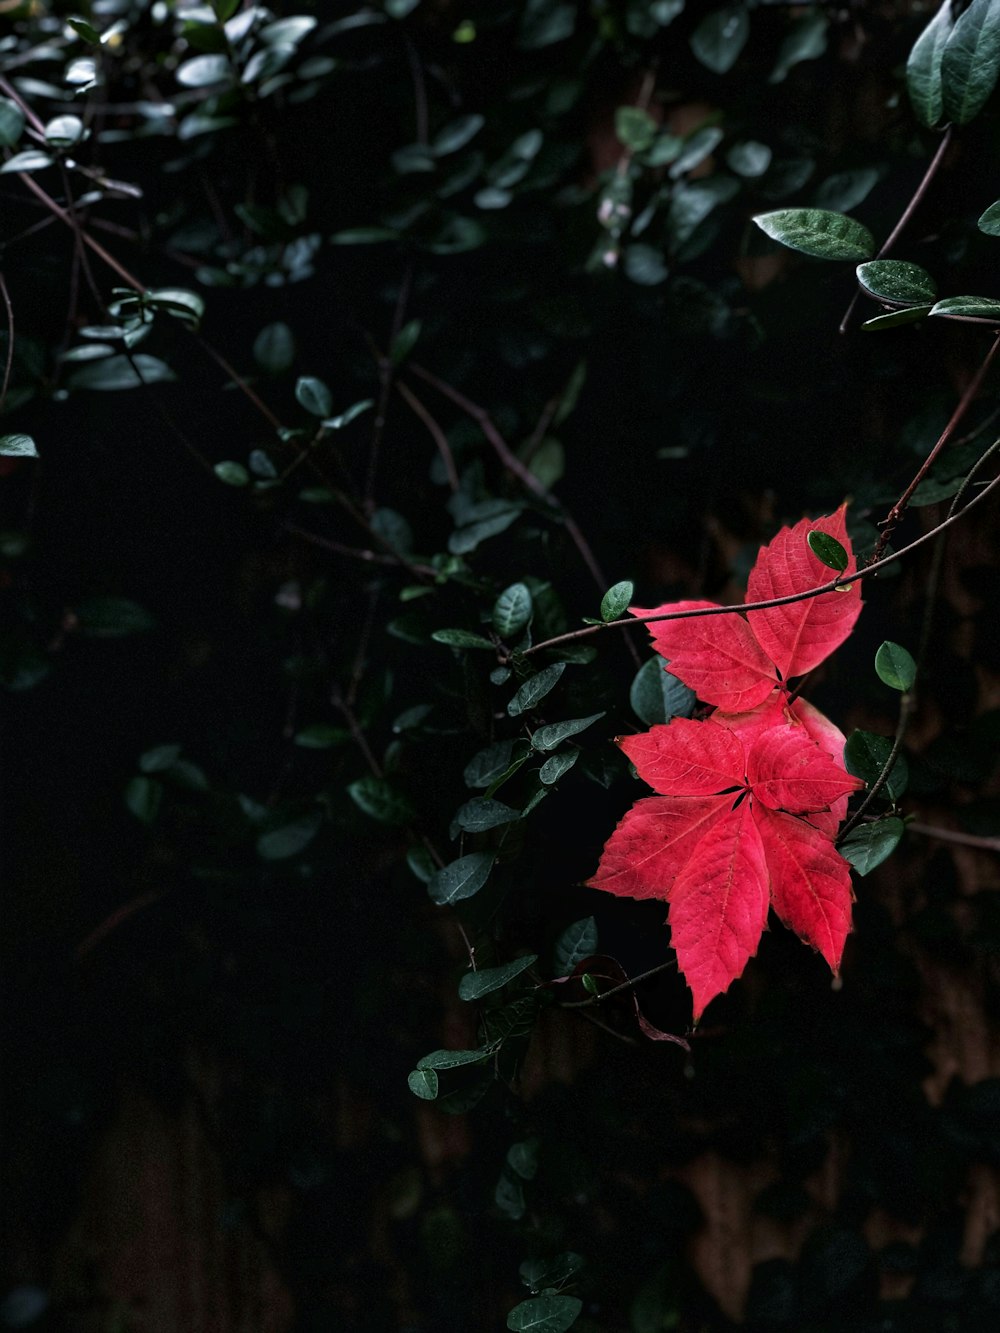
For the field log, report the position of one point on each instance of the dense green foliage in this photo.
(353, 354)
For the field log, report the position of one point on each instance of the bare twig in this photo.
(955, 836)
(355, 553)
(616, 990)
(9, 359)
(437, 434)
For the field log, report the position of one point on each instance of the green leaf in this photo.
(720, 37)
(512, 610)
(548, 737)
(423, 1083)
(320, 736)
(488, 764)
(456, 134)
(233, 474)
(656, 696)
(202, 71)
(557, 766)
(923, 68)
(990, 220)
(17, 446)
(533, 691)
(380, 800)
(313, 395)
(577, 942)
(616, 600)
(897, 281)
(85, 30)
(545, 1314)
(750, 158)
(404, 342)
(895, 667)
(64, 131)
(143, 797)
(176, 301)
(482, 813)
(868, 845)
(696, 149)
(348, 415)
(635, 128)
(461, 879)
(910, 315)
(828, 550)
(30, 160)
(806, 40)
(421, 863)
(113, 617)
(969, 307)
(159, 758)
(818, 232)
(121, 372)
(393, 529)
(474, 985)
(279, 844)
(456, 1059)
(539, 1273)
(11, 123)
(522, 1158)
(274, 348)
(865, 755)
(461, 638)
(970, 62)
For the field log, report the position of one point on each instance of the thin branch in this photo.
(955, 836)
(355, 553)
(9, 359)
(238, 380)
(437, 434)
(906, 708)
(616, 990)
(386, 372)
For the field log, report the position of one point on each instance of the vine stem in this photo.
(9, 359)
(436, 433)
(907, 214)
(841, 581)
(955, 836)
(625, 985)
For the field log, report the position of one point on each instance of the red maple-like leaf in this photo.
(750, 799)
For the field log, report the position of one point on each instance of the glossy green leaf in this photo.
(313, 395)
(720, 37)
(990, 220)
(512, 610)
(280, 844)
(456, 1059)
(557, 766)
(177, 301)
(474, 985)
(897, 281)
(828, 550)
(11, 122)
(805, 40)
(577, 942)
(17, 446)
(635, 129)
(539, 1273)
(274, 348)
(533, 691)
(456, 134)
(379, 799)
(348, 415)
(461, 638)
(818, 232)
(488, 764)
(545, 1314)
(923, 68)
(969, 307)
(461, 879)
(64, 131)
(910, 315)
(482, 813)
(865, 756)
(115, 373)
(895, 667)
(970, 62)
(423, 1083)
(656, 696)
(868, 845)
(548, 737)
(615, 601)
(203, 71)
(30, 160)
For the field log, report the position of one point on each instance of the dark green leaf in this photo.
(720, 37)
(313, 395)
(512, 610)
(143, 796)
(923, 68)
(656, 696)
(865, 756)
(488, 764)
(897, 282)
(461, 638)
(320, 736)
(616, 600)
(645, 265)
(423, 1083)
(990, 220)
(201, 71)
(380, 800)
(17, 446)
(969, 307)
(456, 135)
(828, 550)
(522, 1158)
(548, 737)
(910, 315)
(85, 30)
(474, 985)
(278, 844)
(64, 131)
(868, 845)
(634, 128)
(533, 691)
(545, 1314)
(895, 667)
(697, 147)
(970, 62)
(455, 1059)
(806, 40)
(11, 123)
(233, 474)
(750, 158)
(577, 942)
(113, 617)
(557, 766)
(461, 879)
(421, 863)
(160, 758)
(30, 160)
(274, 348)
(509, 1196)
(468, 537)
(121, 372)
(394, 530)
(176, 301)
(404, 342)
(539, 1273)
(482, 813)
(818, 232)
(348, 415)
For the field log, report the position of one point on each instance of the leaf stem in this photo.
(625, 985)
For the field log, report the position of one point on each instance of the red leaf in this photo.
(687, 758)
(718, 906)
(810, 882)
(653, 842)
(788, 771)
(831, 739)
(802, 634)
(716, 656)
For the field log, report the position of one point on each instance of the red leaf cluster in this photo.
(749, 799)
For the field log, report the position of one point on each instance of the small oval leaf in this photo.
(969, 307)
(828, 550)
(868, 845)
(615, 601)
(897, 281)
(488, 979)
(895, 667)
(818, 232)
